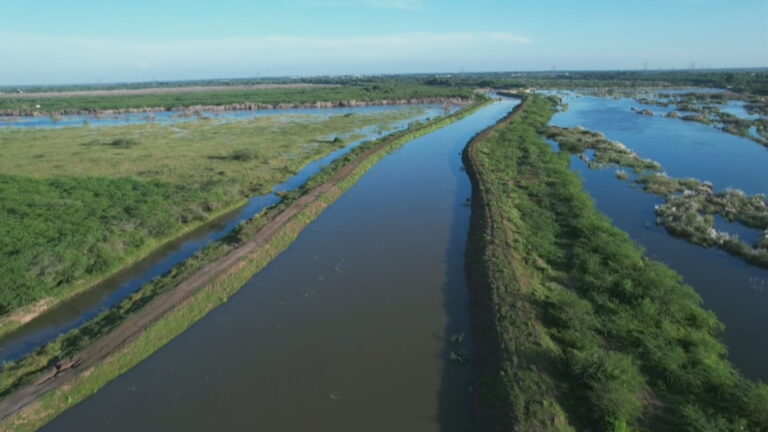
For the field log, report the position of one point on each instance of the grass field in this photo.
(366, 93)
(577, 328)
(79, 203)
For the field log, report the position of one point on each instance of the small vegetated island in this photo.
(578, 329)
(709, 108)
(690, 205)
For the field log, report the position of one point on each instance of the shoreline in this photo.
(483, 306)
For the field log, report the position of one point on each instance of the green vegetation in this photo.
(149, 84)
(645, 112)
(169, 101)
(663, 185)
(753, 81)
(203, 300)
(577, 329)
(578, 140)
(738, 80)
(689, 212)
(80, 203)
(707, 109)
(375, 88)
(690, 205)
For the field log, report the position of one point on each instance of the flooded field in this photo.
(171, 117)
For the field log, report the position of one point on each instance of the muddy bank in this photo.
(484, 312)
(199, 109)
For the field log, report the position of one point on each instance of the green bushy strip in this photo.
(593, 334)
(54, 231)
(364, 93)
(607, 152)
(689, 212)
(708, 110)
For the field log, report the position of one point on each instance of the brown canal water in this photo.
(350, 329)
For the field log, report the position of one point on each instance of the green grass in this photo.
(197, 152)
(371, 92)
(689, 211)
(579, 330)
(206, 299)
(80, 203)
(664, 185)
(577, 140)
(689, 204)
(707, 107)
(741, 81)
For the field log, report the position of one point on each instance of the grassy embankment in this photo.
(361, 93)
(344, 173)
(577, 329)
(80, 203)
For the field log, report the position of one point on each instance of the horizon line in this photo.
(362, 75)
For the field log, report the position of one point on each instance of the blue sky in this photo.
(74, 41)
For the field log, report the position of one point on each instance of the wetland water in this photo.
(348, 330)
(88, 304)
(735, 291)
(171, 117)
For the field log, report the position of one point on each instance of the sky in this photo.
(90, 41)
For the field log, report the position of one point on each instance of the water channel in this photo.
(349, 329)
(85, 306)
